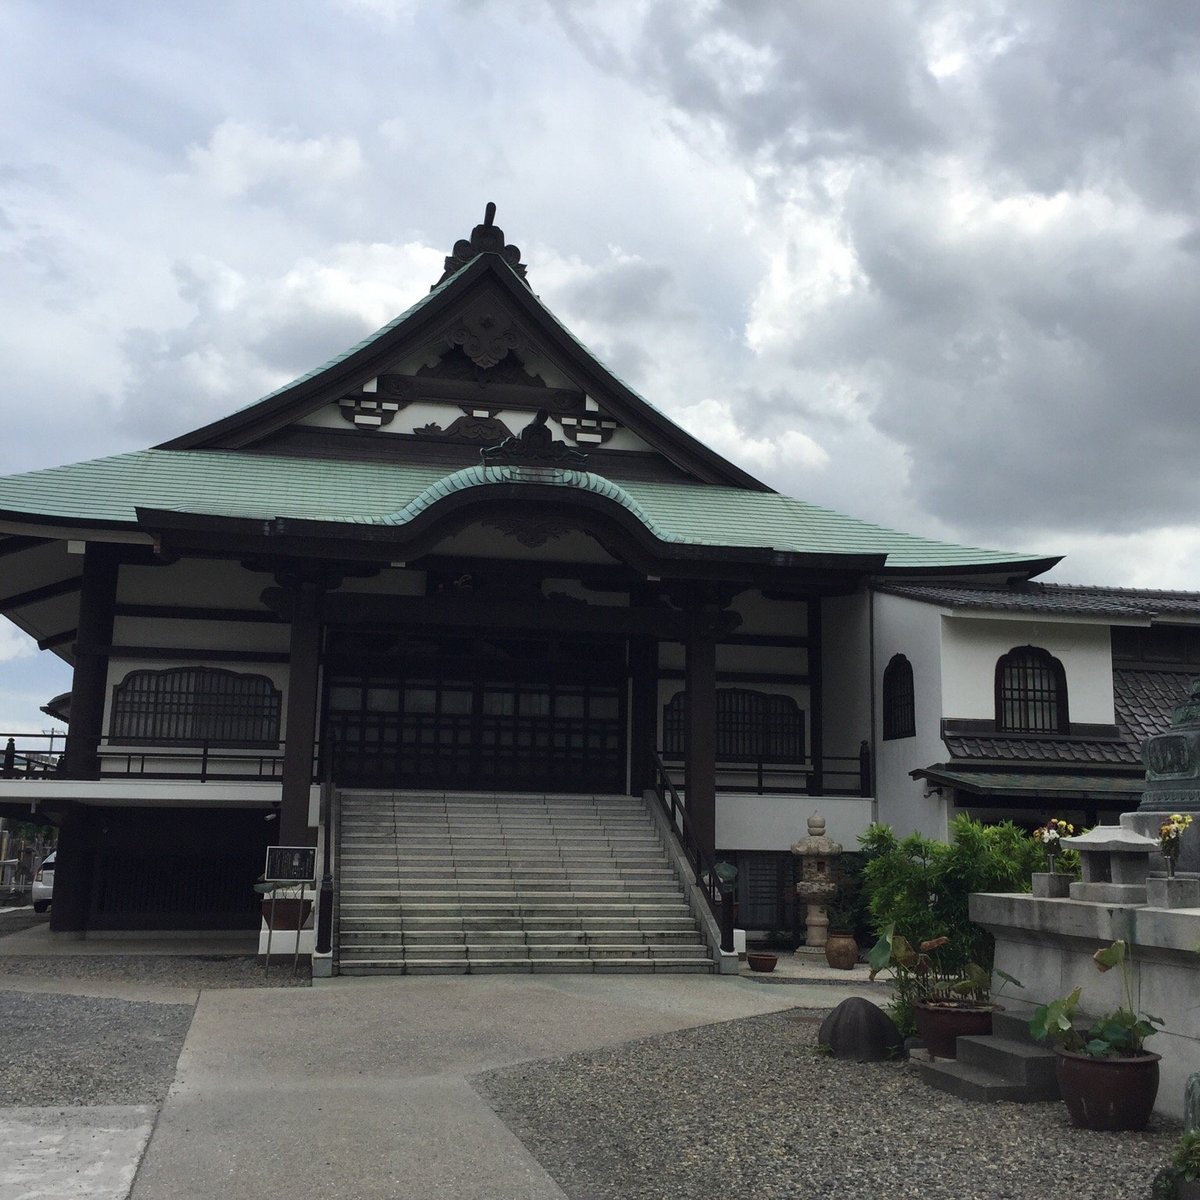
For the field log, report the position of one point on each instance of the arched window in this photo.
(191, 705)
(1031, 692)
(899, 702)
(751, 727)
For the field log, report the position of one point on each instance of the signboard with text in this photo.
(290, 864)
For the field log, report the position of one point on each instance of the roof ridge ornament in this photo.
(487, 238)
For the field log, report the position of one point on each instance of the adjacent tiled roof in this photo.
(1051, 598)
(107, 491)
(1035, 784)
(1007, 748)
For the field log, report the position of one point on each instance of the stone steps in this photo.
(473, 884)
(1008, 1065)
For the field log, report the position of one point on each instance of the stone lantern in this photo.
(818, 881)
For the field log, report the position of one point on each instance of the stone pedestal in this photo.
(1054, 885)
(1181, 892)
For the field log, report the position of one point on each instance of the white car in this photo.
(43, 884)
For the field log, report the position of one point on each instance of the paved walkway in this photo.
(357, 1087)
(360, 1089)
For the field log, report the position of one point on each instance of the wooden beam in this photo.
(700, 727)
(89, 682)
(188, 612)
(775, 677)
(465, 612)
(300, 733)
(15, 544)
(187, 653)
(49, 591)
(57, 639)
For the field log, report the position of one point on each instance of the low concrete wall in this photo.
(1048, 945)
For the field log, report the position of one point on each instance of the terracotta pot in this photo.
(940, 1026)
(289, 914)
(761, 962)
(841, 950)
(1108, 1093)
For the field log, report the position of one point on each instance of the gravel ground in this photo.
(75, 1050)
(170, 970)
(751, 1109)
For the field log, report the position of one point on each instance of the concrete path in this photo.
(358, 1089)
(72, 1153)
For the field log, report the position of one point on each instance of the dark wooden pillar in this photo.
(816, 690)
(89, 684)
(643, 704)
(300, 735)
(700, 729)
(73, 869)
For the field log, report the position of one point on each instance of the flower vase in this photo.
(1170, 865)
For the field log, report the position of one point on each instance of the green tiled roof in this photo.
(107, 491)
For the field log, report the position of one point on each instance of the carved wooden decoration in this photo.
(593, 429)
(367, 410)
(530, 529)
(485, 336)
(533, 447)
(475, 425)
(373, 410)
(487, 238)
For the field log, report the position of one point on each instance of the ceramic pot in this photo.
(1107, 1093)
(760, 961)
(841, 950)
(940, 1026)
(289, 914)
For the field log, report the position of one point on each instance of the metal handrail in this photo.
(716, 891)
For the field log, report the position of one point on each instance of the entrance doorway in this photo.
(477, 712)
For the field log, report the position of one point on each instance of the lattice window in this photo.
(1031, 692)
(899, 702)
(194, 705)
(751, 727)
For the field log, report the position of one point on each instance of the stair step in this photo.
(1020, 1062)
(969, 1082)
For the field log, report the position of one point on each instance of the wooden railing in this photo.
(718, 892)
(833, 775)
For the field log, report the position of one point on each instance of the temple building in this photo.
(460, 559)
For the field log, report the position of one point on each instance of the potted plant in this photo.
(761, 960)
(1052, 883)
(1180, 1179)
(940, 1006)
(1107, 1077)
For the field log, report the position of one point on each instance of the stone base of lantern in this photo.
(1054, 885)
(810, 953)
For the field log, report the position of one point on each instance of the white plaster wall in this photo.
(845, 674)
(971, 645)
(750, 822)
(913, 629)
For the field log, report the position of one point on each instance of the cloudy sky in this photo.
(931, 264)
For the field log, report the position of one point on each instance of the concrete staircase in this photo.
(1008, 1065)
(465, 884)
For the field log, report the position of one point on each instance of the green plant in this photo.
(918, 978)
(1186, 1159)
(923, 886)
(1120, 1033)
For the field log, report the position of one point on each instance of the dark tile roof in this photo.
(1143, 699)
(1067, 599)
